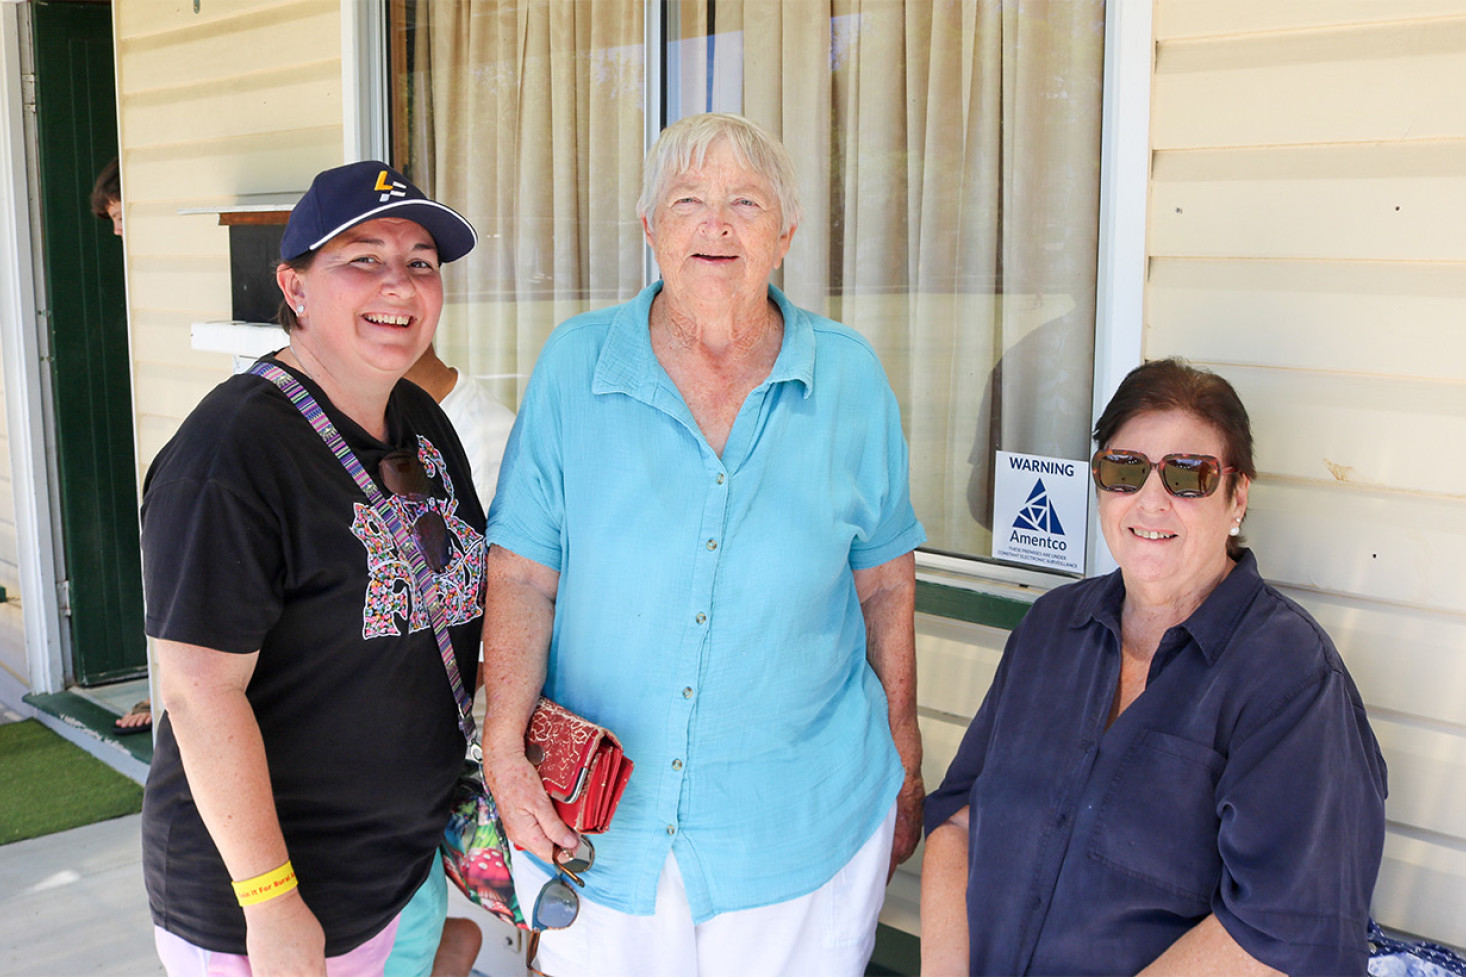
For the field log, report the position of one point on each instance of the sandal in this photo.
(143, 708)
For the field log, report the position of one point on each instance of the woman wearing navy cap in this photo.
(309, 740)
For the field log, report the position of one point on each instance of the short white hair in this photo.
(684, 145)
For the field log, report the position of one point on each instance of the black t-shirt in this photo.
(254, 538)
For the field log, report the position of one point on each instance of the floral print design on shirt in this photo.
(391, 591)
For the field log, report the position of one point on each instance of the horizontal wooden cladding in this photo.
(940, 738)
(1385, 201)
(955, 662)
(156, 38)
(153, 432)
(12, 639)
(1391, 81)
(295, 97)
(1404, 660)
(180, 388)
(9, 548)
(195, 285)
(168, 342)
(1394, 318)
(1427, 775)
(215, 171)
(1206, 18)
(1361, 543)
(1419, 888)
(1351, 430)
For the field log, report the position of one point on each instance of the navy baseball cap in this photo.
(348, 195)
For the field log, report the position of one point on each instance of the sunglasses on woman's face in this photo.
(1184, 476)
(403, 474)
(558, 904)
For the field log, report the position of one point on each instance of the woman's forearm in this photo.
(223, 757)
(519, 616)
(944, 934)
(223, 753)
(887, 595)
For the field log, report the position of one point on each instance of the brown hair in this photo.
(107, 189)
(1174, 385)
(285, 314)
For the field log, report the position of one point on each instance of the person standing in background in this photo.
(483, 426)
(107, 196)
(482, 422)
(106, 203)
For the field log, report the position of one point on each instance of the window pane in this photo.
(948, 160)
(947, 154)
(528, 118)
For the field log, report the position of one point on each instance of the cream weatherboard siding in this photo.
(243, 97)
(1308, 199)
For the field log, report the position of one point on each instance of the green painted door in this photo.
(76, 128)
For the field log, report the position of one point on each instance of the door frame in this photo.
(22, 350)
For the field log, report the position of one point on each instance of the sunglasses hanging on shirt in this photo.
(403, 474)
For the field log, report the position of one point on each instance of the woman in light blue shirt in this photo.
(702, 539)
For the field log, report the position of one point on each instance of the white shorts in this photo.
(828, 933)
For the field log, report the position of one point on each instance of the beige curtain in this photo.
(527, 117)
(948, 160)
(947, 155)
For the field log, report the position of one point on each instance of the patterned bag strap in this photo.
(427, 587)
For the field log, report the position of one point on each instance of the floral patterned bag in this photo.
(475, 851)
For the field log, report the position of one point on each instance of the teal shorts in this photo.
(420, 928)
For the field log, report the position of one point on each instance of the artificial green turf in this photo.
(47, 784)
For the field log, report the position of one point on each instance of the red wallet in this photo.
(581, 764)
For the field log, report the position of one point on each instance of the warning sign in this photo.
(1040, 509)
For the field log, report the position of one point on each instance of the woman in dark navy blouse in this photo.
(1172, 771)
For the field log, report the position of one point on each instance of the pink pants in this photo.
(182, 959)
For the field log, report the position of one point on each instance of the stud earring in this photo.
(1236, 529)
(300, 309)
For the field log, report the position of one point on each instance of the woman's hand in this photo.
(909, 804)
(284, 938)
(529, 817)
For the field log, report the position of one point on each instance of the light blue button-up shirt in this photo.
(706, 610)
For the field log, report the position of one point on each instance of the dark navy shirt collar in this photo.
(1211, 625)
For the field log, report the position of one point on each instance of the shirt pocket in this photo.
(1158, 821)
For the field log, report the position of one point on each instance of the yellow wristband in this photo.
(264, 887)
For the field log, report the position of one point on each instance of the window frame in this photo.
(958, 587)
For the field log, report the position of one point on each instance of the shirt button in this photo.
(712, 544)
(720, 478)
(701, 618)
(671, 829)
(676, 764)
(687, 692)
